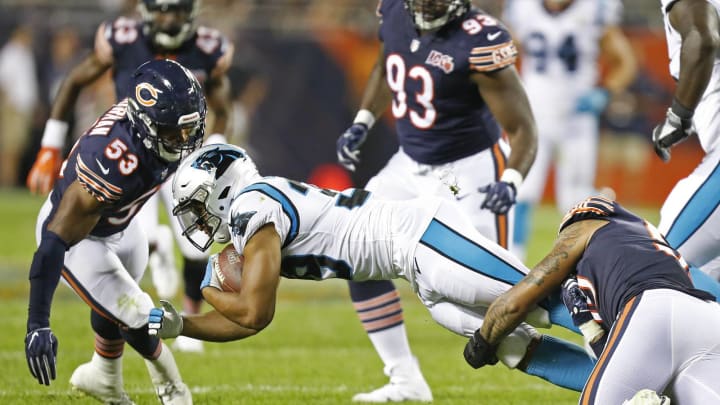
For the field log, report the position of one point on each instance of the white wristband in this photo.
(215, 138)
(365, 117)
(513, 177)
(54, 134)
(591, 330)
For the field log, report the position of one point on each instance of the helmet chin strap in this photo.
(167, 155)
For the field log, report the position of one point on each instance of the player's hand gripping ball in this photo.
(228, 269)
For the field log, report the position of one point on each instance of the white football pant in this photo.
(105, 272)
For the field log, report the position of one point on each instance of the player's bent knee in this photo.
(134, 311)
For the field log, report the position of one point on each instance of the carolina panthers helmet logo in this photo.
(217, 160)
(146, 94)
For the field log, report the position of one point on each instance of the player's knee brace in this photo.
(143, 343)
(193, 273)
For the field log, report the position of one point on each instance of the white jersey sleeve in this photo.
(252, 210)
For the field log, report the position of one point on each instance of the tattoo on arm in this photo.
(567, 241)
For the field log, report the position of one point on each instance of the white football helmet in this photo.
(203, 188)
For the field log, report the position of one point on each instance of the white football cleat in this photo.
(406, 384)
(92, 381)
(162, 264)
(187, 345)
(174, 394)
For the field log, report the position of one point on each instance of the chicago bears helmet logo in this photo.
(146, 94)
(217, 160)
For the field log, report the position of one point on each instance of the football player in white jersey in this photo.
(560, 42)
(296, 230)
(690, 218)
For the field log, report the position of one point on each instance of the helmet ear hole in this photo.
(224, 193)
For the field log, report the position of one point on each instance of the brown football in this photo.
(228, 268)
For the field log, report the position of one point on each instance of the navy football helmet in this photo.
(431, 14)
(203, 188)
(166, 107)
(169, 23)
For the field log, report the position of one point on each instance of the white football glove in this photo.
(165, 322)
(211, 274)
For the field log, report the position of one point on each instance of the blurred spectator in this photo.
(18, 99)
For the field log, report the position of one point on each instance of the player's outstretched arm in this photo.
(42, 175)
(77, 214)
(212, 326)
(510, 309)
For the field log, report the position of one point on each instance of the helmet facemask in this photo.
(203, 190)
(432, 14)
(169, 23)
(171, 142)
(200, 226)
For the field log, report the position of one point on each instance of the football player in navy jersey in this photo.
(168, 29)
(447, 72)
(86, 233)
(636, 294)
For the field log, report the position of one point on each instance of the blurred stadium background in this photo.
(297, 75)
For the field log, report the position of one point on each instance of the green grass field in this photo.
(315, 351)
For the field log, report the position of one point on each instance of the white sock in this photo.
(392, 346)
(163, 369)
(111, 367)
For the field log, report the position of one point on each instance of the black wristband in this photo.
(680, 110)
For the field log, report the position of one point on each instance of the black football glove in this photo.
(41, 347)
(676, 128)
(478, 352)
(349, 143)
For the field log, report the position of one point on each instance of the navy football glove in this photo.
(349, 143)
(41, 347)
(676, 128)
(500, 196)
(478, 352)
(576, 302)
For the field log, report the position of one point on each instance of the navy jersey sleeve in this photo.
(593, 208)
(492, 45)
(97, 173)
